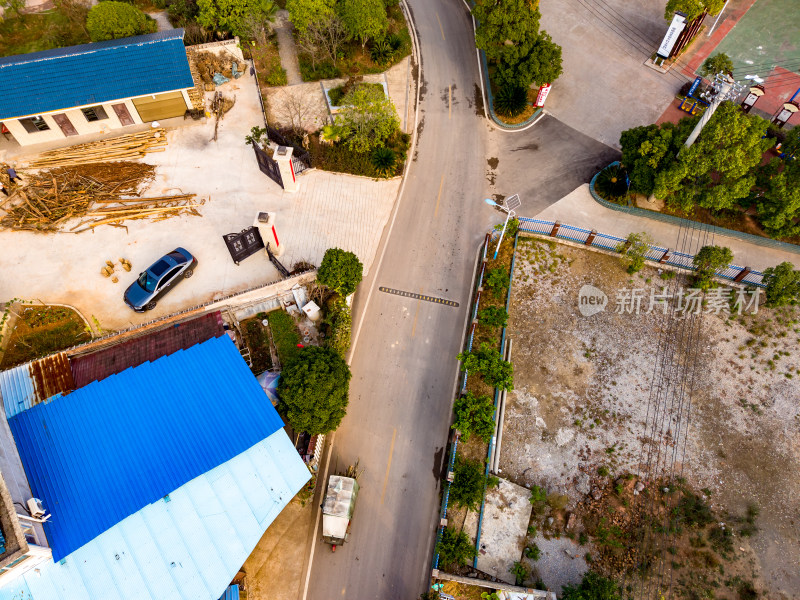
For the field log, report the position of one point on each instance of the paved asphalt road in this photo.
(404, 363)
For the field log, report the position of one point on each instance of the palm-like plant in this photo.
(384, 159)
(511, 100)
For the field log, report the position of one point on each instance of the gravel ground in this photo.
(582, 386)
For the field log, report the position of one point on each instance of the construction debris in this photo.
(124, 147)
(97, 193)
(209, 64)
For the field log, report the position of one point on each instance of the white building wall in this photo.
(78, 120)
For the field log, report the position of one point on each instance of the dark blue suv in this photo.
(159, 278)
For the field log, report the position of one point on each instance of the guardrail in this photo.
(656, 254)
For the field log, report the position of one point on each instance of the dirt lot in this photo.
(580, 404)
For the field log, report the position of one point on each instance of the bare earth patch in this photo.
(580, 404)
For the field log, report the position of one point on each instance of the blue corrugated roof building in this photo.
(160, 480)
(63, 78)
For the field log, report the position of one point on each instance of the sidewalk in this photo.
(581, 210)
(286, 47)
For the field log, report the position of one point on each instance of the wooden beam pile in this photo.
(93, 193)
(124, 147)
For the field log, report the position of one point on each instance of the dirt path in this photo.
(287, 48)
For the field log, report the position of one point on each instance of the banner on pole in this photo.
(544, 90)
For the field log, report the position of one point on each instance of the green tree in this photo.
(783, 285)
(634, 250)
(779, 205)
(719, 63)
(592, 587)
(791, 145)
(238, 17)
(719, 168)
(468, 483)
(493, 316)
(364, 19)
(692, 8)
(454, 549)
(114, 20)
(341, 271)
(303, 13)
(474, 414)
(707, 262)
(367, 119)
(541, 64)
(497, 280)
(314, 389)
(488, 363)
(508, 32)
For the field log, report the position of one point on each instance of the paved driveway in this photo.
(329, 210)
(605, 87)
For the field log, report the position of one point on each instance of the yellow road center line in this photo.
(389, 464)
(440, 25)
(416, 314)
(438, 198)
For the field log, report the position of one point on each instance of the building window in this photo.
(34, 124)
(7, 568)
(94, 113)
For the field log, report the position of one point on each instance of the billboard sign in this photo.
(695, 85)
(675, 28)
(544, 89)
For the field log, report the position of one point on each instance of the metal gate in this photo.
(243, 244)
(268, 166)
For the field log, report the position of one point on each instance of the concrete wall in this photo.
(229, 47)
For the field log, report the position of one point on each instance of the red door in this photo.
(122, 114)
(65, 124)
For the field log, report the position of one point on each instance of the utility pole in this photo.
(727, 89)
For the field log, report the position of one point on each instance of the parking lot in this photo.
(605, 87)
(328, 210)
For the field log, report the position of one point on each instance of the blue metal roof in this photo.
(189, 548)
(63, 78)
(102, 452)
(232, 593)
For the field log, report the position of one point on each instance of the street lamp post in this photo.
(511, 204)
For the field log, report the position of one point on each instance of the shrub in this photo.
(340, 325)
(277, 76)
(497, 281)
(490, 365)
(634, 250)
(311, 71)
(592, 587)
(384, 159)
(783, 285)
(533, 552)
(474, 414)
(284, 335)
(520, 572)
(538, 499)
(454, 549)
(493, 316)
(114, 20)
(511, 100)
(314, 389)
(341, 271)
(468, 483)
(603, 471)
(694, 511)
